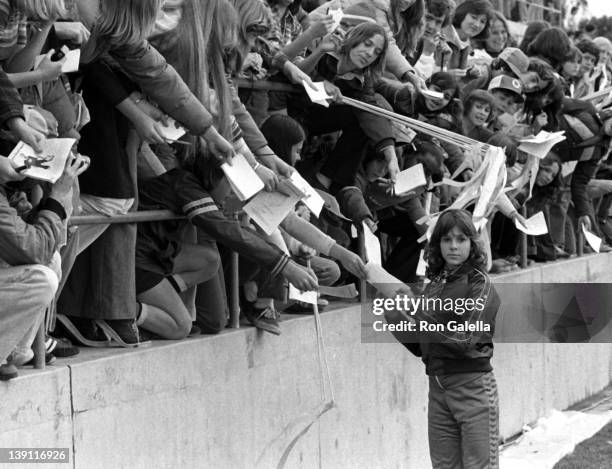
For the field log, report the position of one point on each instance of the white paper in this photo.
(536, 225)
(568, 168)
(432, 94)
(309, 297)
(311, 198)
(422, 265)
(73, 57)
(409, 179)
(593, 240)
(173, 131)
(58, 148)
(479, 224)
(343, 291)
(269, 209)
(243, 179)
(541, 144)
(319, 96)
(353, 232)
(384, 282)
(372, 246)
(336, 16)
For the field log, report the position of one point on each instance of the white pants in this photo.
(26, 292)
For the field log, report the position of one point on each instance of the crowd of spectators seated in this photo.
(145, 63)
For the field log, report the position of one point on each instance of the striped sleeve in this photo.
(199, 206)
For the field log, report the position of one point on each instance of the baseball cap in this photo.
(518, 62)
(506, 83)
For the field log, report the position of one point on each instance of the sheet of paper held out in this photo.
(242, 178)
(319, 96)
(311, 199)
(269, 209)
(536, 225)
(409, 179)
(541, 144)
(343, 291)
(372, 246)
(309, 297)
(591, 238)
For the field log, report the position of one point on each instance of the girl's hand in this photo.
(48, 69)
(540, 121)
(333, 91)
(393, 167)
(353, 263)
(518, 217)
(148, 129)
(71, 31)
(296, 75)
(7, 171)
(19, 201)
(300, 278)
(331, 42)
(371, 224)
(306, 251)
(220, 148)
(62, 189)
(585, 221)
(24, 132)
(268, 177)
(474, 72)
(321, 27)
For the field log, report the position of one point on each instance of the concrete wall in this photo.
(220, 401)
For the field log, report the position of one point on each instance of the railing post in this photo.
(363, 285)
(524, 239)
(234, 306)
(234, 292)
(39, 348)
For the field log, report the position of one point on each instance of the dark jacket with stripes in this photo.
(449, 352)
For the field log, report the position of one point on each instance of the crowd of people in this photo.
(144, 63)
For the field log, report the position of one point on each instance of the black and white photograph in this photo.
(309, 234)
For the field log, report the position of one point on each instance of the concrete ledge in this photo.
(218, 401)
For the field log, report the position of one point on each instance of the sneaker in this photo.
(126, 329)
(64, 348)
(264, 319)
(8, 372)
(195, 331)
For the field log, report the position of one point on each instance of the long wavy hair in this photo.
(251, 14)
(356, 36)
(449, 219)
(121, 23)
(195, 48)
(552, 45)
(407, 25)
(41, 10)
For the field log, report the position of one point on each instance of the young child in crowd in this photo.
(478, 112)
(463, 414)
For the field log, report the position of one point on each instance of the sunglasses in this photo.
(257, 29)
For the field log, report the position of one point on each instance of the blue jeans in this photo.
(463, 421)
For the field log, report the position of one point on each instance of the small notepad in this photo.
(55, 152)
